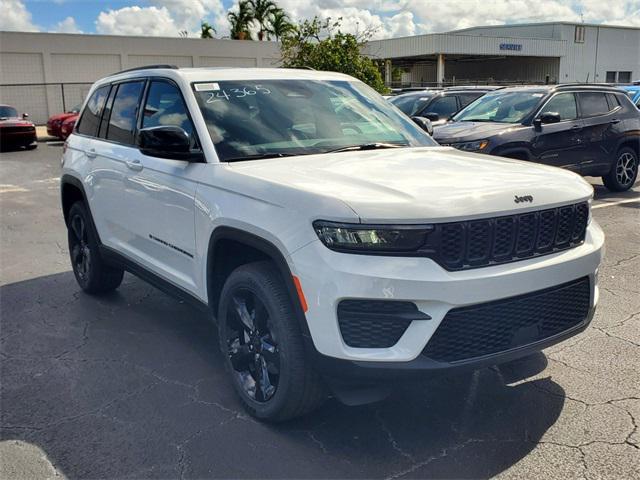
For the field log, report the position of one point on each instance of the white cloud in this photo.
(137, 21)
(15, 17)
(68, 25)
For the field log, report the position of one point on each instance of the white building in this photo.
(537, 52)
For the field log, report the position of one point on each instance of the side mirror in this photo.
(25, 116)
(167, 142)
(434, 117)
(546, 117)
(423, 123)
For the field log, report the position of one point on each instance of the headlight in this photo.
(375, 238)
(471, 146)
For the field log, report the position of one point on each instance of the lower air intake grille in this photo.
(375, 323)
(493, 327)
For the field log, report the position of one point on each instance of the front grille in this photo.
(375, 323)
(490, 241)
(493, 327)
(18, 129)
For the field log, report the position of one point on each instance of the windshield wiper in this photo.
(476, 120)
(367, 146)
(261, 156)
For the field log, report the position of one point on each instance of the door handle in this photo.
(135, 165)
(91, 153)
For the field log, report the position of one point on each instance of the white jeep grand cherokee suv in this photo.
(337, 245)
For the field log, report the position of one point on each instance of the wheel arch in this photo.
(71, 191)
(230, 248)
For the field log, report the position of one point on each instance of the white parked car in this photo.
(336, 244)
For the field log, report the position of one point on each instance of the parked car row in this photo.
(593, 130)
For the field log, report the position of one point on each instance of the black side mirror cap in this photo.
(25, 116)
(434, 117)
(545, 118)
(168, 141)
(423, 123)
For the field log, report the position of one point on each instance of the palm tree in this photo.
(206, 30)
(240, 21)
(261, 12)
(281, 26)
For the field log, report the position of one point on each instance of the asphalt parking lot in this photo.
(130, 385)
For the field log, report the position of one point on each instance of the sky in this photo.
(388, 18)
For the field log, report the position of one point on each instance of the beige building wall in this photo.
(54, 58)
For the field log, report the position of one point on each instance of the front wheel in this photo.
(624, 172)
(262, 345)
(91, 272)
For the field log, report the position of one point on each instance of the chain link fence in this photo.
(41, 100)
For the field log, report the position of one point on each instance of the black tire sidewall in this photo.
(259, 280)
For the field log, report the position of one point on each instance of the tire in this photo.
(624, 171)
(92, 273)
(263, 348)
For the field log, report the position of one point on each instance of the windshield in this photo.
(410, 104)
(6, 112)
(507, 107)
(299, 117)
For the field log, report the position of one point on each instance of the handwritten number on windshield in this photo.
(236, 93)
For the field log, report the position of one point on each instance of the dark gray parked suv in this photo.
(590, 129)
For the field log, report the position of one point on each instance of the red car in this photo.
(67, 126)
(54, 124)
(15, 130)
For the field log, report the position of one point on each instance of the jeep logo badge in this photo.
(525, 198)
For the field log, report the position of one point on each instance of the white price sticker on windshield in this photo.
(207, 87)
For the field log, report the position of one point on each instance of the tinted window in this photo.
(443, 106)
(91, 115)
(612, 101)
(165, 107)
(467, 98)
(592, 103)
(107, 112)
(563, 104)
(122, 122)
(410, 104)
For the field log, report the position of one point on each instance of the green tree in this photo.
(239, 21)
(280, 26)
(319, 44)
(206, 30)
(262, 12)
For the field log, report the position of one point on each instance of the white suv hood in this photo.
(422, 184)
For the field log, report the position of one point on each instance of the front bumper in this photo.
(328, 277)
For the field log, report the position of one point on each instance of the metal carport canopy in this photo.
(457, 44)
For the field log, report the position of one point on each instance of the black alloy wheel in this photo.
(252, 346)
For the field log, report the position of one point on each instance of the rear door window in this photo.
(90, 119)
(593, 103)
(443, 106)
(467, 98)
(122, 122)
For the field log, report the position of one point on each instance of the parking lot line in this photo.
(619, 202)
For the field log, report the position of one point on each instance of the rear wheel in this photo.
(91, 272)
(624, 172)
(262, 345)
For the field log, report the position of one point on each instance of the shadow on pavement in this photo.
(131, 385)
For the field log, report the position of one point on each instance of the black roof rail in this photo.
(584, 85)
(147, 67)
